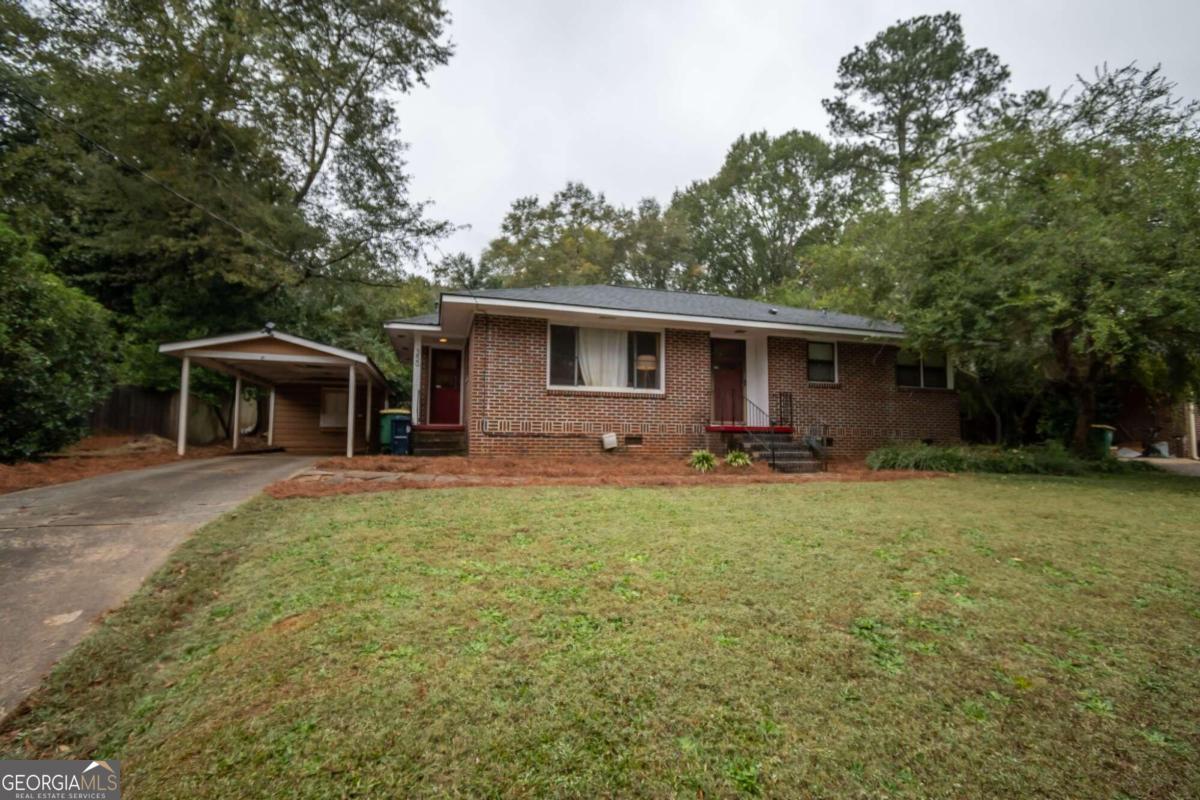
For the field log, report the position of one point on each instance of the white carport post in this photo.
(271, 419)
(1190, 410)
(237, 410)
(184, 380)
(367, 415)
(350, 415)
(416, 380)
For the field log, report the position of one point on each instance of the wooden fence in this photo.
(132, 409)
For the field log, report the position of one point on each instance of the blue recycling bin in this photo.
(402, 434)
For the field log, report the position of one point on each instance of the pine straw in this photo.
(462, 472)
(97, 455)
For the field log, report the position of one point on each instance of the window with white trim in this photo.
(915, 371)
(822, 362)
(604, 358)
(333, 408)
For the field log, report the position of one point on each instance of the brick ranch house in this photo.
(549, 371)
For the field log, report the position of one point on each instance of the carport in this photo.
(314, 405)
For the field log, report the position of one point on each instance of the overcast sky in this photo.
(637, 97)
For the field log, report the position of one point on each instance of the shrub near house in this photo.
(55, 350)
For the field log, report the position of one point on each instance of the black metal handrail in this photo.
(753, 410)
(751, 414)
(748, 415)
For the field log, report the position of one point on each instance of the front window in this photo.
(822, 362)
(922, 372)
(605, 358)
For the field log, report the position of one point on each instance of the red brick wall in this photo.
(512, 412)
(865, 408)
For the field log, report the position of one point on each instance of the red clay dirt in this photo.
(458, 472)
(98, 455)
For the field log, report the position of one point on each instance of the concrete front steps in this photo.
(439, 442)
(790, 455)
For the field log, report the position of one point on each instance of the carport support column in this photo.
(271, 419)
(1190, 410)
(350, 415)
(237, 410)
(367, 415)
(184, 381)
(416, 380)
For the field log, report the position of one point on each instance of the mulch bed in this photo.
(97, 455)
(341, 476)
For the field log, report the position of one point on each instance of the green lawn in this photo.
(962, 637)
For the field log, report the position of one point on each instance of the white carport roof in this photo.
(321, 364)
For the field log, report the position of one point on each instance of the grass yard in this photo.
(960, 637)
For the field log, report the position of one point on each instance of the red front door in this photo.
(445, 387)
(728, 380)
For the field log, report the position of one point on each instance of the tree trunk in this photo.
(1023, 419)
(987, 401)
(1085, 415)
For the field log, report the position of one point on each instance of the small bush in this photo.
(702, 461)
(737, 458)
(1044, 459)
(55, 352)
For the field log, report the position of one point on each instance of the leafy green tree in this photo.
(272, 123)
(578, 237)
(773, 197)
(55, 354)
(571, 239)
(906, 95)
(656, 249)
(1069, 242)
(460, 271)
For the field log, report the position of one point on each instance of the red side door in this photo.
(445, 387)
(729, 380)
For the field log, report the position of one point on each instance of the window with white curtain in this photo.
(604, 358)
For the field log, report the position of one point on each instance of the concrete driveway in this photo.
(71, 552)
(1179, 466)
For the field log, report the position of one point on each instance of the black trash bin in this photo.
(402, 434)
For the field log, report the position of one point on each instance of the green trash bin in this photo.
(1101, 438)
(385, 427)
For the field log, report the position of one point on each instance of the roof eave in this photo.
(694, 319)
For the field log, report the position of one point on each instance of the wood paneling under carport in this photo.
(266, 345)
(298, 416)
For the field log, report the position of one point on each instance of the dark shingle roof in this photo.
(420, 319)
(657, 301)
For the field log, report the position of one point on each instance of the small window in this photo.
(633, 440)
(333, 408)
(908, 369)
(605, 358)
(822, 362)
(933, 370)
(922, 372)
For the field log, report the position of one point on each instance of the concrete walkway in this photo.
(1179, 466)
(71, 552)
